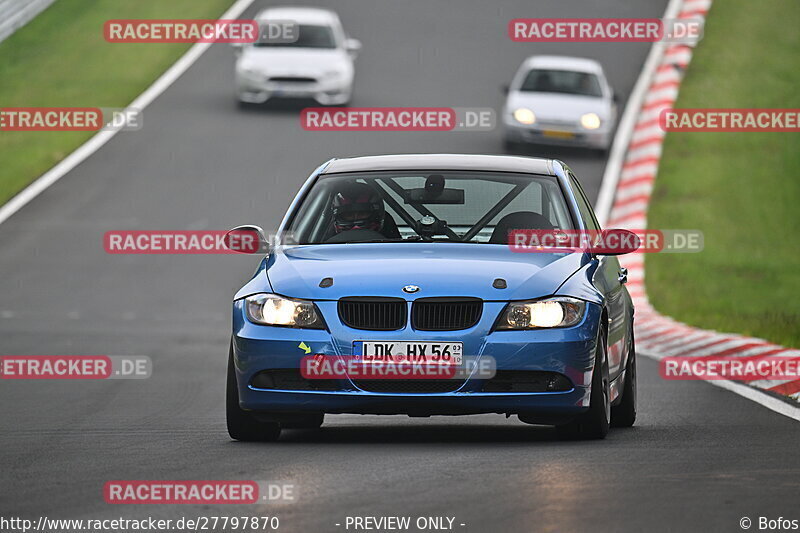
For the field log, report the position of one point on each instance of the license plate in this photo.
(279, 89)
(441, 353)
(558, 134)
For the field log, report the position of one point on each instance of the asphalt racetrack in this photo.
(699, 458)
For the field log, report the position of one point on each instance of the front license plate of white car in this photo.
(442, 353)
(558, 134)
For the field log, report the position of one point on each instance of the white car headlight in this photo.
(274, 310)
(590, 121)
(523, 115)
(559, 312)
(253, 73)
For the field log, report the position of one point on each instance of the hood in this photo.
(559, 107)
(303, 62)
(440, 269)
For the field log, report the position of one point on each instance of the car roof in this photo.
(577, 64)
(497, 163)
(301, 15)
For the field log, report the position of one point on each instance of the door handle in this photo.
(623, 275)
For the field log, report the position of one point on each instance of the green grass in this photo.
(60, 59)
(741, 189)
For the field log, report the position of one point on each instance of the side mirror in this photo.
(237, 48)
(353, 46)
(505, 88)
(615, 97)
(246, 240)
(616, 242)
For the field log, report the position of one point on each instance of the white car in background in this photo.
(559, 100)
(318, 64)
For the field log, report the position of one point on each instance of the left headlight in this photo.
(274, 310)
(590, 121)
(250, 73)
(523, 115)
(557, 312)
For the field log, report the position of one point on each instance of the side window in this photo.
(583, 205)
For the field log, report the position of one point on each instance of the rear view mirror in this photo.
(435, 192)
(353, 46)
(246, 240)
(425, 196)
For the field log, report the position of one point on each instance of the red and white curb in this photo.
(630, 181)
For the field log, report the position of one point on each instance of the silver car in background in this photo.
(558, 100)
(317, 63)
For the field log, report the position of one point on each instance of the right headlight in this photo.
(558, 312)
(590, 121)
(274, 310)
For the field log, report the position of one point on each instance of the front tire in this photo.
(241, 424)
(595, 422)
(624, 414)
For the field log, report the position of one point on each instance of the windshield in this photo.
(308, 36)
(561, 81)
(434, 206)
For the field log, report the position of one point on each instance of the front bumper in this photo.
(257, 90)
(560, 135)
(568, 351)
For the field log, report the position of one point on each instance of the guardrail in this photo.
(14, 14)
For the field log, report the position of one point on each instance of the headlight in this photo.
(274, 310)
(523, 115)
(253, 73)
(590, 121)
(558, 312)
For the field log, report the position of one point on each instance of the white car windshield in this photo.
(433, 206)
(308, 36)
(561, 81)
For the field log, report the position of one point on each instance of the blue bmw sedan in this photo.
(412, 259)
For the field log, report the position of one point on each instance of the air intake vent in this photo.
(527, 381)
(287, 79)
(379, 314)
(445, 314)
(416, 386)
